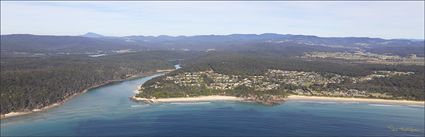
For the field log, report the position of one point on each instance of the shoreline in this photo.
(289, 98)
(189, 99)
(347, 99)
(19, 113)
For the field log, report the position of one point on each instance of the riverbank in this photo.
(346, 99)
(19, 113)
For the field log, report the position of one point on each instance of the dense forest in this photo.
(409, 87)
(34, 82)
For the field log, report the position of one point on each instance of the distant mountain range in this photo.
(92, 42)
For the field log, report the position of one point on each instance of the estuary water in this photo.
(108, 111)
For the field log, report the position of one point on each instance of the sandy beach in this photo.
(289, 98)
(365, 100)
(12, 114)
(190, 99)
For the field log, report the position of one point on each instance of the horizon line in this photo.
(135, 35)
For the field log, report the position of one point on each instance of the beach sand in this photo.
(191, 99)
(289, 98)
(365, 100)
(12, 114)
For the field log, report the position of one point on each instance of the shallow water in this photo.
(108, 111)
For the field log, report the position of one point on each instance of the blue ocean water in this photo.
(108, 111)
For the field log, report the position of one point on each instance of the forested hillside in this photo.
(273, 43)
(30, 83)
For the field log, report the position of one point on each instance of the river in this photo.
(107, 110)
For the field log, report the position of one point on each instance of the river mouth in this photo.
(108, 111)
(143, 77)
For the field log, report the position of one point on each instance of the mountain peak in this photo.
(92, 35)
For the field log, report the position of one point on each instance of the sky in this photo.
(383, 19)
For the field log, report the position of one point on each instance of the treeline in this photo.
(30, 83)
(245, 63)
(400, 50)
(410, 87)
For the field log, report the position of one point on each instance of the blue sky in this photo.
(328, 19)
